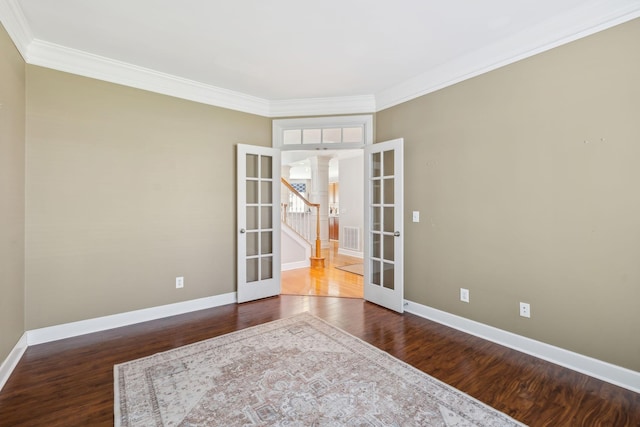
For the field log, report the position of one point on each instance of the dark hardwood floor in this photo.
(70, 382)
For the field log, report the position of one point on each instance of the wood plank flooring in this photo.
(70, 382)
(328, 281)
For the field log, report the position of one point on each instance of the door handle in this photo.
(242, 231)
(397, 234)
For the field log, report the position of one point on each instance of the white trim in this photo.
(295, 265)
(75, 61)
(543, 37)
(68, 330)
(599, 369)
(323, 106)
(348, 252)
(10, 363)
(16, 24)
(86, 64)
(594, 16)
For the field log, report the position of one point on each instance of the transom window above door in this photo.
(323, 133)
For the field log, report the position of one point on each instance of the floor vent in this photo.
(351, 239)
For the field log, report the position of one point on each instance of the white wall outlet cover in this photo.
(179, 282)
(525, 309)
(464, 295)
(416, 216)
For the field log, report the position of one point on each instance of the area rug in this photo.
(353, 268)
(298, 371)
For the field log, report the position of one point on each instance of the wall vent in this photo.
(351, 238)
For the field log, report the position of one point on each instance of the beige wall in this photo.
(516, 206)
(12, 146)
(125, 190)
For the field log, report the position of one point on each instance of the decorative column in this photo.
(320, 193)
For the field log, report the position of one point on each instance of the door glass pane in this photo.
(252, 244)
(267, 218)
(387, 280)
(375, 245)
(377, 189)
(311, 136)
(266, 193)
(293, 136)
(375, 165)
(265, 166)
(388, 219)
(376, 222)
(266, 245)
(252, 217)
(388, 163)
(252, 192)
(330, 136)
(375, 272)
(352, 134)
(252, 270)
(388, 246)
(388, 191)
(266, 264)
(252, 166)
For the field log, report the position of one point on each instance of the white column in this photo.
(320, 193)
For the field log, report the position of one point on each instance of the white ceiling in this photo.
(287, 57)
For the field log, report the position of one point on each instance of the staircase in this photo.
(303, 218)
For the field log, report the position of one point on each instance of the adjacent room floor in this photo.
(328, 281)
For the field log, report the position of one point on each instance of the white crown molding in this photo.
(73, 329)
(15, 23)
(599, 369)
(595, 17)
(323, 106)
(74, 61)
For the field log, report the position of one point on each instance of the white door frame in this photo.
(366, 121)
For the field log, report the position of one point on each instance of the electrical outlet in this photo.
(416, 216)
(179, 282)
(464, 295)
(525, 309)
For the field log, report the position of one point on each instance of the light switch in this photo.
(416, 216)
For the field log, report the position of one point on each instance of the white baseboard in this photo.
(294, 265)
(68, 330)
(604, 371)
(9, 364)
(349, 252)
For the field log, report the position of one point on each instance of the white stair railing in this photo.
(301, 216)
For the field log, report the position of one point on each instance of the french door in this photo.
(258, 222)
(384, 225)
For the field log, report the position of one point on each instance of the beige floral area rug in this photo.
(299, 371)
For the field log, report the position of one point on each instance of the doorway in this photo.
(342, 275)
(382, 237)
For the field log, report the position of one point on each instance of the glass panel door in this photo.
(384, 270)
(258, 225)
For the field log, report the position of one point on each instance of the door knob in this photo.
(397, 234)
(242, 231)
